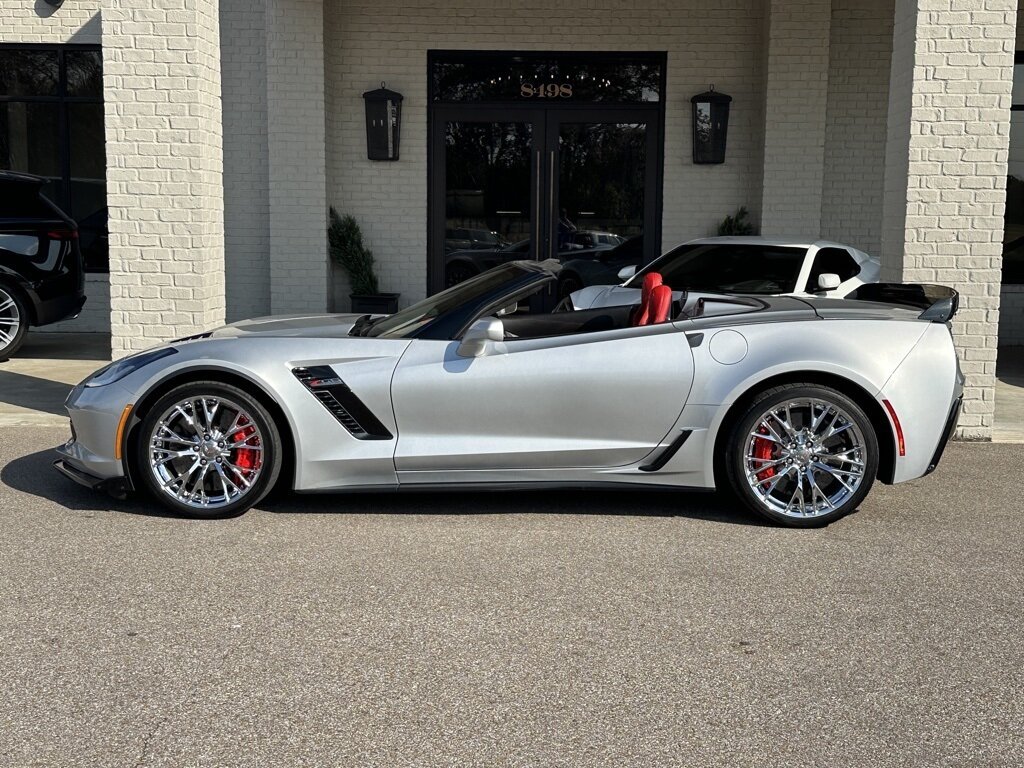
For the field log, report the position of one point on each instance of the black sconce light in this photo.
(383, 120)
(710, 126)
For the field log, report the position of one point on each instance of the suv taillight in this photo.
(63, 234)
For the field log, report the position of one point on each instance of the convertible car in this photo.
(793, 405)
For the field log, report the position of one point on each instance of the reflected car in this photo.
(747, 265)
(461, 238)
(42, 277)
(602, 269)
(753, 395)
(462, 265)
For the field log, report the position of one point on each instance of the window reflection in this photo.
(51, 125)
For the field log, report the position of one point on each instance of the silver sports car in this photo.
(794, 405)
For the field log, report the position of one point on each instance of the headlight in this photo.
(118, 369)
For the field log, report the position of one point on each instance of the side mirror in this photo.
(481, 335)
(828, 281)
(626, 272)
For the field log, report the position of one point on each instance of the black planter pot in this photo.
(375, 304)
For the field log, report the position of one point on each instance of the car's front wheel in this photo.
(802, 455)
(208, 449)
(13, 322)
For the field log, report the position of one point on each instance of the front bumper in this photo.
(90, 456)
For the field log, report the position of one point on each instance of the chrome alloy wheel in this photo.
(10, 319)
(206, 452)
(804, 458)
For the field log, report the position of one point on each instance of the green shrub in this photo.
(345, 241)
(736, 225)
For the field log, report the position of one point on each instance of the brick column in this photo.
(161, 80)
(796, 101)
(296, 145)
(945, 179)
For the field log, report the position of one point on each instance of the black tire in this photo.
(568, 284)
(266, 440)
(13, 322)
(458, 272)
(827, 468)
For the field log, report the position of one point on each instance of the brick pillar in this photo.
(796, 101)
(161, 80)
(296, 145)
(945, 179)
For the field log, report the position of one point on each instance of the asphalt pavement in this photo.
(511, 629)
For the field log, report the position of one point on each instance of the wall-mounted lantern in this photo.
(710, 126)
(383, 120)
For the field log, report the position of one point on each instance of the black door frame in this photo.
(545, 119)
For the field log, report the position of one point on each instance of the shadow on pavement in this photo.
(33, 392)
(34, 475)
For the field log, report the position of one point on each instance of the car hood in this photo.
(305, 326)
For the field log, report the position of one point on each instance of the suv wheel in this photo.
(13, 322)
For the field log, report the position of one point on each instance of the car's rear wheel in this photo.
(568, 284)
(208, 449)
(802, 455)
(13, 322)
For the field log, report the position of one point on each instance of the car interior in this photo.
(658, 304)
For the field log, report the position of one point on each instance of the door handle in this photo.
(552, 207)
(536, 210)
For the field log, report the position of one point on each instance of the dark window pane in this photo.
(29, 139)
(88, 187)
(28, 73)
(487, 196)
(88, 155)
(602, 167)
(84, 73)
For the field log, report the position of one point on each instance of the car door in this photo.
(600, 399)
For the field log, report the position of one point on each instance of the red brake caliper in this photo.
(246, 458)
(764, 449)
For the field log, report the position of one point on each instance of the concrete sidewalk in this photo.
(35, 383)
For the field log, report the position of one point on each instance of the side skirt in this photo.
(507, 485)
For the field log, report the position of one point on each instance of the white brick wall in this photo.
(795, 110)
(297, 156)
(946, 174)
(720, 43)
(32, 21)
(246, 196)
(855, 129)
(1011, 316)
(161, 78)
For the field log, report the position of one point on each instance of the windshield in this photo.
(408, 321)
(728, 268)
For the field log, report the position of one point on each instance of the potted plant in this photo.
(345, 241)
(737, 225)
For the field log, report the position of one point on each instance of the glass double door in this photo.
(563, 183)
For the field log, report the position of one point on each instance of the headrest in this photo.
(651, 281)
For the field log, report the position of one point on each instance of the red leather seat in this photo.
(660, 305)
(642, 316)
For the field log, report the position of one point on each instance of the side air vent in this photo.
(327, 387)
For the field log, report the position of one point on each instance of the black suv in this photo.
(42, 277)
